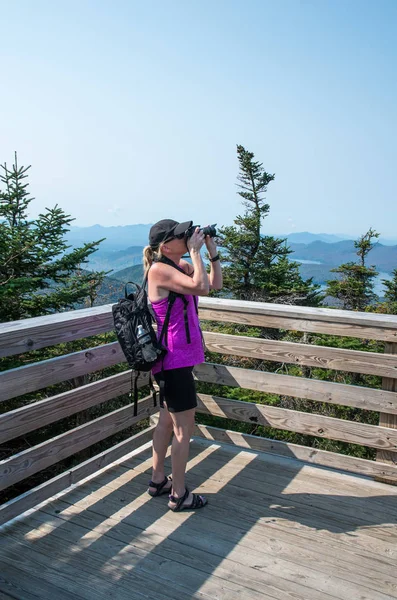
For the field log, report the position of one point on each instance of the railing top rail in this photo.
(330, 315)
(30, 334)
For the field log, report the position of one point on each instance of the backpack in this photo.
(128, 314)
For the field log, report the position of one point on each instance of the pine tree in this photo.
(389, 305)
(257, 266)
(37, 273)
(391, 288)
(355, 288)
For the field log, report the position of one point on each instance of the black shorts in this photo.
(180, 389)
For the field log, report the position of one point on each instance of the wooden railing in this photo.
(31, 334)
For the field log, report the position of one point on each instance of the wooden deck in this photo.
(274, 528)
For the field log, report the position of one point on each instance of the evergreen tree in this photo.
(389, 305)
(391, 288)
(37, 274)
(257, 267)
(355, 287)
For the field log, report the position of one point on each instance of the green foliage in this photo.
(389, 306)
(355, 288)
(257, 267)
(37, 274)
(391, 288)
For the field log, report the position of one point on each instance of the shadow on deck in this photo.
(275, 527)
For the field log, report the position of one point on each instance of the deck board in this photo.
(275, 528)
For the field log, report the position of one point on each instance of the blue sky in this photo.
(130, 111)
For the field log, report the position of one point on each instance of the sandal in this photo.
(197, 502)
(159, 487)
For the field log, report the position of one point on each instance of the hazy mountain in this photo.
(383, 257)
(388, 241)
(123, 236)
(116, 260)
(117, 238)
(134, 273)
(305, 237)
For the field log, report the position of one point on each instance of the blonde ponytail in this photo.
(150, 255)
(147, 258)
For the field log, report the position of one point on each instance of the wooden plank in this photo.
(327, 315)
(298, 324)
(37, 458)
(298, 387)
(80, 574)
(46, 490)
(36, 376)
(30, 334)
(4, 596)
(388, 420)
(292, 420)
(31, 586)
(307, 454)
(372, 363)
(38, 414)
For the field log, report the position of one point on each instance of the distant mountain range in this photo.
(116, 260)
(113, 286)
(117, 238)
(124, 236)
(121, 254)
(383, 257)
(305, 237)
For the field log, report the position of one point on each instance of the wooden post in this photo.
(387, 420)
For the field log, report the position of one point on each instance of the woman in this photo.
(168, 272)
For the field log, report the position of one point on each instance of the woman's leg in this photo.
(161, 440)
(183, 430)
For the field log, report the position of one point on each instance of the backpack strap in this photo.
(164, 331)
(167, 261)
(134, 390)
(171, 299)
(161, 382)
(185, 317)
(195, 304)
(153, 390)
(132, 283)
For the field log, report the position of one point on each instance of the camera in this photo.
(209, 230)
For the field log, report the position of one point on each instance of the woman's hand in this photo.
(211, 245)
(196, 241)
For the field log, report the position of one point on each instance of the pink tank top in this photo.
(179, 352)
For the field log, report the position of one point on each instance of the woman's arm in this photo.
(167, 278)
(215, 276)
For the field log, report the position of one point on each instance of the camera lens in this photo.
(209, 230)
